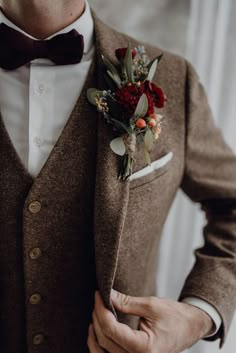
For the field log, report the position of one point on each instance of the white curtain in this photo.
(210, 47)
(204, 31)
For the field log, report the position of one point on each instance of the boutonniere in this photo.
(130, 104)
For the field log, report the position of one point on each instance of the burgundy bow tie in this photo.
(18, 49)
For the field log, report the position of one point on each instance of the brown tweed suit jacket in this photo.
(127, 218)
(130, 216)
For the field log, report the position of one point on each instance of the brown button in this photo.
(35, 253)
(35, 299)
(38, 339)
(35, 207)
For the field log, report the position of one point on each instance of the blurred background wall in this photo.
(204, 31)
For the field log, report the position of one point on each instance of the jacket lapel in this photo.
(111, 194)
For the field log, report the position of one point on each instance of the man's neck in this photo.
(42, 18)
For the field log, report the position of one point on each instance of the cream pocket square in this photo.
(155, 165)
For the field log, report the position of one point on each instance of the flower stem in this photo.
(126, 168)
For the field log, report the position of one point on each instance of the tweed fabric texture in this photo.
(114, 227)
(130, 222)
(64, 275)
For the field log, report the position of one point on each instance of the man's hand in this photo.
(166, 326)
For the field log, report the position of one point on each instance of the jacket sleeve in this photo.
(210, 179)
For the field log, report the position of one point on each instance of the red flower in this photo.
(128, 98)
(121, 52)
(157, 94)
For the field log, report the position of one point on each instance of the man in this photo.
(70, 227)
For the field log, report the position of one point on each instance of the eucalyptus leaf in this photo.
(142, 107)
(92, 94)
(118, 146)
(147, 156)
(109, 65)
(158, 59)
(123, 126)
(152, 70)
(115, 78)
(148, 139)
(129, 64)
(112, 71)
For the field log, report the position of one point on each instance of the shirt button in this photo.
(40, 88)
(35, 299)
(37, 141)
(38, 339)
(35, 207)
(35, 253)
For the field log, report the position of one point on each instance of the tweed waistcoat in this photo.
(47, 278)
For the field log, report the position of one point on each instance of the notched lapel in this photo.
(111, 200)
(111, 194)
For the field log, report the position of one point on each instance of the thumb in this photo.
(139, 306)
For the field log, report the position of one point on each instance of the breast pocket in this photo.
(149, 173)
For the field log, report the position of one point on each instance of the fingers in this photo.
(128, 339)
(104, 341)
(92, 341)
(139, 306)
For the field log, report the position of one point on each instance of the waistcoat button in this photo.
(35, 207)
(38, 339)
(35, 253)
(35, 299)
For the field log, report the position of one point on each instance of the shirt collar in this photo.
(84, 25)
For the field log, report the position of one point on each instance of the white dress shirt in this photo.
(36, 101)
